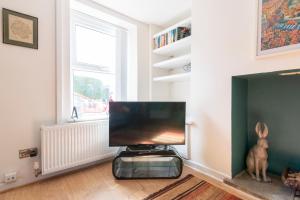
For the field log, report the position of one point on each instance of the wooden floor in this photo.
(98, 183)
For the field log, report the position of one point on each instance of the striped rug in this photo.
(191, 188)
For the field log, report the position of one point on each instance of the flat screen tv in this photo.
(146, 123)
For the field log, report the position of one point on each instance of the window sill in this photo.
(87, 120)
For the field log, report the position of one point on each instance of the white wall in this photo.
(223, 45)
(28, 87)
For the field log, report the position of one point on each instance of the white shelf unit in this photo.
(168, 80)
(172, 56)
(174, 62)
(173, 77)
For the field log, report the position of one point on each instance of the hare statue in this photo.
(257, 159)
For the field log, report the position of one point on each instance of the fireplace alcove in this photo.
(273, 98)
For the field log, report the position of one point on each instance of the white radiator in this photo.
(73, 144)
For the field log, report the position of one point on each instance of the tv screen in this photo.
(146, 123)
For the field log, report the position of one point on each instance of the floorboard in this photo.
(97, 182)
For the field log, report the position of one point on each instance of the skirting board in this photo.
(206, 170)
(7, 187)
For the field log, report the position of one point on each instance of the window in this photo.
(96, 59)
(97, 50)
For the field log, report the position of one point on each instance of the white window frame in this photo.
(63, 87)
(63, 55)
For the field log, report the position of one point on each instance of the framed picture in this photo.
(278, 26)
(20, 29)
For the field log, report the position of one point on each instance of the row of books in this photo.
(171, 36)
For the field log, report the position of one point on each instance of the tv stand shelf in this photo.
(147, 164)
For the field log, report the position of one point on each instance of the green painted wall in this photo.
(276, 101)
(239, 124)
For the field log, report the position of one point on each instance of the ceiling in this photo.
(159, 12)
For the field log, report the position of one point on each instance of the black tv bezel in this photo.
(139, 145)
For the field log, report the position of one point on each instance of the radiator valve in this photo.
(37, 170)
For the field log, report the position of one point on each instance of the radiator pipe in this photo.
(37, 170)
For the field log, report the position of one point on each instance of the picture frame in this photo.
(19, 29)
(278, 30)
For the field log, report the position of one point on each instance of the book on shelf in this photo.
(171, 36)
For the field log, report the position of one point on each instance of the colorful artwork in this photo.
(279, 26)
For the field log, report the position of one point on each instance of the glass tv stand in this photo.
(145, 164)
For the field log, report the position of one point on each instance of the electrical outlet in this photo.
(10, 177)
(28, 153)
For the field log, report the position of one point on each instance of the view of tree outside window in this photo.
(92, 92)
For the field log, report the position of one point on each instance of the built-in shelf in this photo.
(178, 47)
(175, 62)
(173, 77)
(169, 62)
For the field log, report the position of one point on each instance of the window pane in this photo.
(92, 92)
(95, 48)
